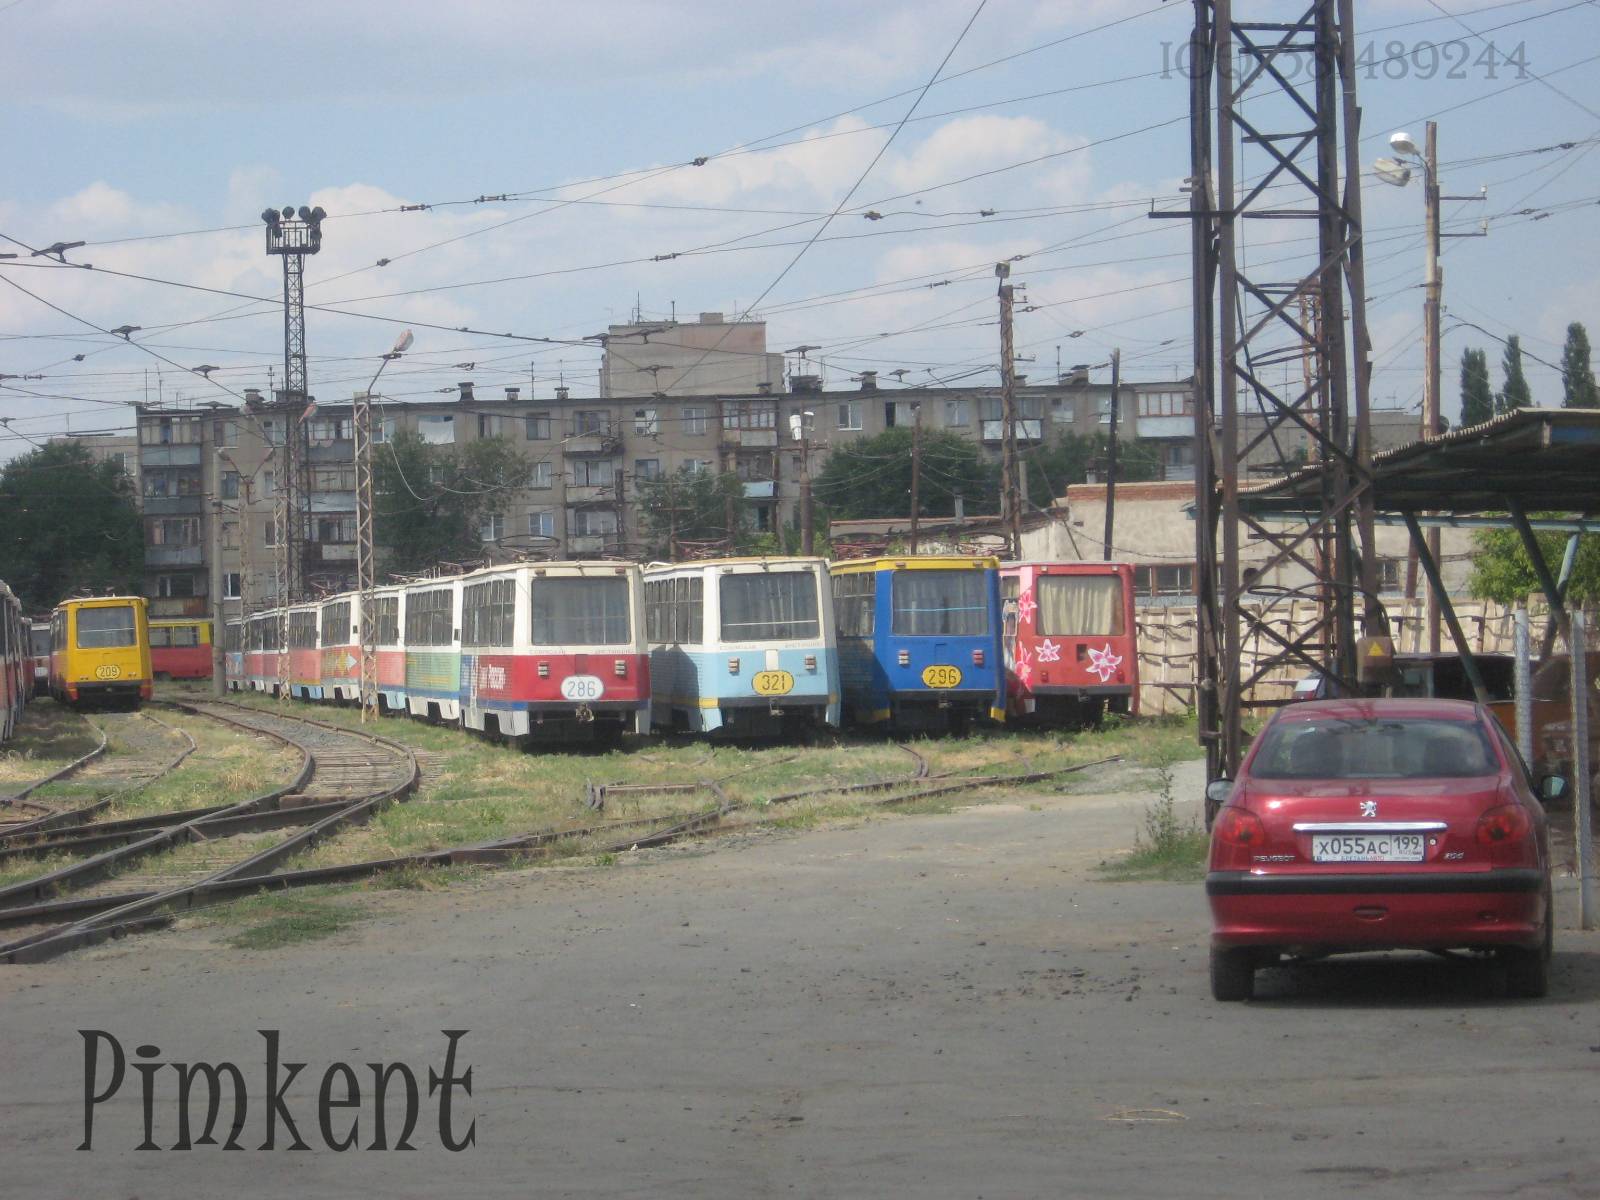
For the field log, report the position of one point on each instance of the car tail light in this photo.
(811, 662)
(1507, 823)
(1239, 827)
(977, 658)
(733, 666)
(621, 667)
(544, 670)
(904, 658)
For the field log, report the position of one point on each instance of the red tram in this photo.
(180, 648)
(1071, 644)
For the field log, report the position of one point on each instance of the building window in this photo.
(225, 433)
(231, 585)
(383, 431)
(493, 528)
(1164, 579)
(542, 524)
(694, 422)
(230, 535)
(599, 522)
(334, 529)
(647, 468)
(178, 587)
(697, 466)
(488, 425)
(269, 533)
(543, 476)
(537, 426)
(230, 485)
(590, 422)
(175, 531)
(1165, 404)
(644, 422)
(598, 472)
(269, 483)
(849, 414)
(762, 415)
(326, 430)
(957, 413)
(1391, 574)
(437, 429)
(272, 428)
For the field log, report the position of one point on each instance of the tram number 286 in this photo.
(581, 687)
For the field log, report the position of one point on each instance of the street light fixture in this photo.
(366, 565)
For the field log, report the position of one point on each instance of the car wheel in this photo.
(1528, 969)
(1233, 974)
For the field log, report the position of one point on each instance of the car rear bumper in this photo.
(1417, 910)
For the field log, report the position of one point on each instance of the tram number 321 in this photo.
(582, 687)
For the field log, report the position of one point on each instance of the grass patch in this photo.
(308, 922)
(48, 737)
(1167, 847)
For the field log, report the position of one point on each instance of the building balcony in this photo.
(173, 506)
(586, 544)
(333, 502)
(584, 493)
(168, 456)
(1165, 427)
(1028, 429)
(174, 556)
(760, 489)
(750, 439)
(603, 442)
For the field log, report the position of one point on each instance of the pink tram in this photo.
(1071, 644)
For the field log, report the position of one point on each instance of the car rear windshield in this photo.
(954, 603)
(103, 628)
(1380, 748)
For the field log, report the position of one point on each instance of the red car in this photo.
(1360, 825)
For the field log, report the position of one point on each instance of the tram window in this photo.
(429, 618)
(336, 623)
(1079, 605)
(160, 637)
(487, 613)
(953, 603)
(691, 610)
(386, 620)
(303, 630)
(41, 642)
(855, 598)
(580, 611)
(103, 628)
(769, 607)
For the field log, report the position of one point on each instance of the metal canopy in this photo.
(1538, 460)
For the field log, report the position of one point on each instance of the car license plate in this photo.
(1367, 847)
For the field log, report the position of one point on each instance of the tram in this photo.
(920, 641)
(1071, 642)
(100, 651)
(180, 647)
(742, 646)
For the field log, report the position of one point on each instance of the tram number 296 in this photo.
(941, 676)
(581, 687)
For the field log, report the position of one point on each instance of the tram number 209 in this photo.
(941, 677)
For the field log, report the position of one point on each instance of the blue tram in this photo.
(742, 646)
(919, 641)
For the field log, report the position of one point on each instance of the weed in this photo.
(1167, 847)
(608, 859)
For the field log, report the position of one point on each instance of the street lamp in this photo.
(366, 572)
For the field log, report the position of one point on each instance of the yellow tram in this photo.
(100, 651)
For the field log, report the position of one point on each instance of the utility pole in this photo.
(280, 570)
(218, 623)
(916, 466)
(1111, 453)
(361, 418)
(799, 433)
(1433, 285)
(1010, 489)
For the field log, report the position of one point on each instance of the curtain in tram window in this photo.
(769, 607)
(1079, 605)
(949, 603)
(578, 612)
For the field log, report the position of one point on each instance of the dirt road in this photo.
(926, 1006)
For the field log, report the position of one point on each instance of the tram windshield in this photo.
(1080, 606)
(104, 628)
(953, 603)
(769, 606)
(41, 641)
(580, 611)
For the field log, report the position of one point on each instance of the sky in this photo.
(544, 156)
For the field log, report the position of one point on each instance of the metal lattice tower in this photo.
(292, 236)
(1274, 149)
(280, 571)
(366, 573)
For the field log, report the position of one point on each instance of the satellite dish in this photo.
(1392, 171)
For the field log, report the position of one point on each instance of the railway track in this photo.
(212, 853)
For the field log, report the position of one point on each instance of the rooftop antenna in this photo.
(674, 312)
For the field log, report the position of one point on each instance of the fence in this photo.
(1167, 645)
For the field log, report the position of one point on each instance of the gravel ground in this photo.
(942, 1005)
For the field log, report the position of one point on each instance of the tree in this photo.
(1515, 394)
(872, 477)
(431, 501)
(70, 524)
(1501, 569)
(1577, 373)
(689, 506)
(1052, 470)
(1477, 397)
